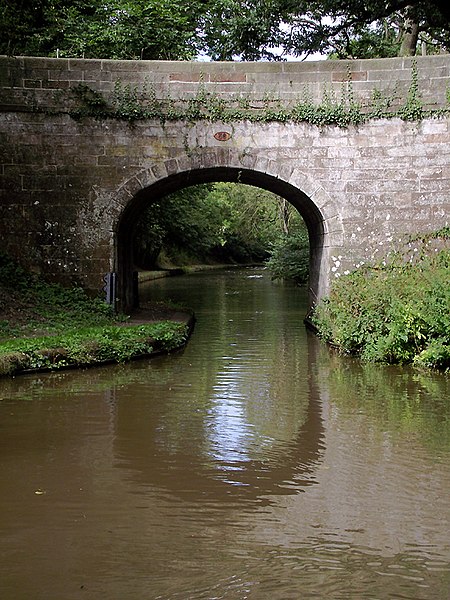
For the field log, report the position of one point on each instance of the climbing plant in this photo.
(128, 103)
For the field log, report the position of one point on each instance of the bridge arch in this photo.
(71, 189)
(148, 185)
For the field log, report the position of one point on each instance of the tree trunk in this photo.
(284, 213)
(410, 37)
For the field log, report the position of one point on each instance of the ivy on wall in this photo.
(127, 103)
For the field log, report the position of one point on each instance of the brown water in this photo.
(254, 464)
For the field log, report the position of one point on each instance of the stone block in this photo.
(433, 185)
(230, 90)
(53, 84)
(159, 171)
(349, 75)
(32, 83)
(188, 76)
(95, 75)
(36, 63)
(228, 77)
(295, 67)
(140, 67)
(75, 77)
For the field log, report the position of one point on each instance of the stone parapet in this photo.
(28, 82)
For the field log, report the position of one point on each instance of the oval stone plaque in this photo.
(222, 136)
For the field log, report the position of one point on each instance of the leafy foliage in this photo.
(213, 222)
(222, 29)
(290, 258)
(394, 313)
(355, 29)
(13, 274)
(253, 219)
(125, 29)
(186, 223)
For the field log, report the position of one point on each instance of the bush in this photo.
(12, 274)
(436, 354)
(290, 257)
(397, 313)
(28, 304)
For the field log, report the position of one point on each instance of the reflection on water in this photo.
(253, 464)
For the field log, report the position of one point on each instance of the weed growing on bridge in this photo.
(89, 102)
(130, 104)
(412, 110)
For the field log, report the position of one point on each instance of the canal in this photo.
(253, 464)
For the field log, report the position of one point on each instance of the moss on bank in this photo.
(45, 326)
(395, 312)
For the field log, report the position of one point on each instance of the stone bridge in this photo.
(87, 144)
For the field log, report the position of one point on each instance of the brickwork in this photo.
(70, 191)
(27, 82)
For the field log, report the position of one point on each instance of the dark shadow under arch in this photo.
(126, 292)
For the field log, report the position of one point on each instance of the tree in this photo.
(222, 29)
(123, 29)
(185, 226)
(223, 222)
(339, 27)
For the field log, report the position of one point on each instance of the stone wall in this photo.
(71, 190)
(35, 82)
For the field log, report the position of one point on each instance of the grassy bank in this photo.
(89, 346)
(397, 312)
(45, 326)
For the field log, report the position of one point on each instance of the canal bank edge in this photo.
(144, 276)
(159, 330)
(28, 355)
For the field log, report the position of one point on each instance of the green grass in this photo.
(90, 346)
(47, 326)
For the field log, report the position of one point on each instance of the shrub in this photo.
(289, 257)
(397, 313)
(436, 354)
